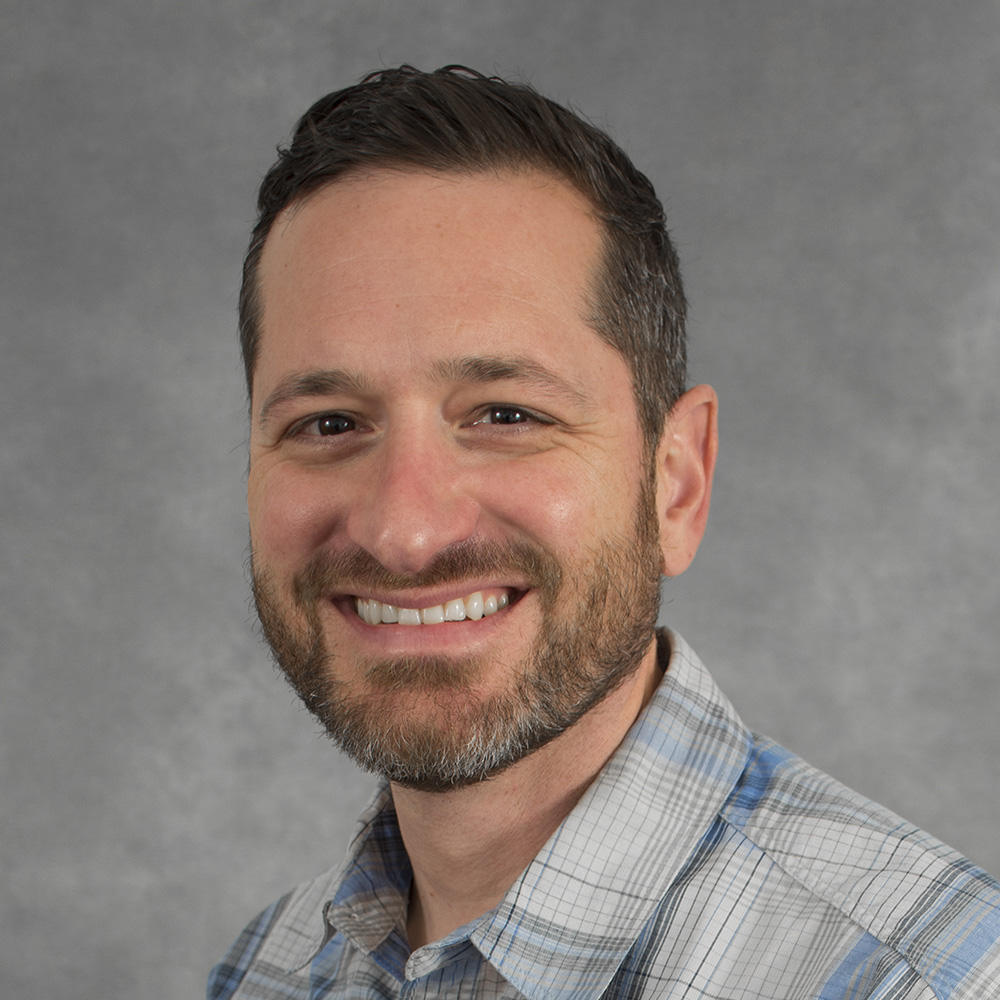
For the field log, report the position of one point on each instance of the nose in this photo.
(416, 504)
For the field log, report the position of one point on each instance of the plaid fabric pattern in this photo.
(703, 862)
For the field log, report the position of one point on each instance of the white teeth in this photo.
(432, 616)
(454, 611)
(474, 607)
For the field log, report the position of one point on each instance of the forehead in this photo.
(419, 258)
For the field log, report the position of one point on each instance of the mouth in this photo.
(477, 605)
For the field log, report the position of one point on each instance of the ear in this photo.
(685, 464)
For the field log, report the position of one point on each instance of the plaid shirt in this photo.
(703, 862)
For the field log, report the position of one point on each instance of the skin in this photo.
(390, 280)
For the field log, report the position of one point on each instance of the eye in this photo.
(326, 425)
(334, 423)
(506, 415)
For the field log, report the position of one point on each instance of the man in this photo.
(472, 459)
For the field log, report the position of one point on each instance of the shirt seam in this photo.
(828, 899)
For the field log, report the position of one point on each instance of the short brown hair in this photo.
(457, 120)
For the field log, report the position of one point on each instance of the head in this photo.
(471, 459)
(457, 121)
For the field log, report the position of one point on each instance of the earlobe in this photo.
(685, 464)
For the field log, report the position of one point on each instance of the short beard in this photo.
(584, 651)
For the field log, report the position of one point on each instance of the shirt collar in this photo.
(364, 897)
(565, 926)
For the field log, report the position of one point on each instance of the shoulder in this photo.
(938, 911)
(277, 946)
(225, 978)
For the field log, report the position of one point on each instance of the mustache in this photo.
(354, 570)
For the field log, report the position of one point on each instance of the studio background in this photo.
(831, 172)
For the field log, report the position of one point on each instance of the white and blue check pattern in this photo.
(703, 862)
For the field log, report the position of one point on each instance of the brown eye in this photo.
(333, 423)
(506, 415)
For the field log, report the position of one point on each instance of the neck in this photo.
(467, 846)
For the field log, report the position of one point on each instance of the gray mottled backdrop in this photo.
(832, 173)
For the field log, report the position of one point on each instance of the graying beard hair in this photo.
(512, 725)
(433, 764)
(503, 731)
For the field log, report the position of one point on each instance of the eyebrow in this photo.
(319, 382)
(493, 368)
(472, 369)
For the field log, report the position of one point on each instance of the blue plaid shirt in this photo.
(703, 862)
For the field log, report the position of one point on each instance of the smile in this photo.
(473, 607)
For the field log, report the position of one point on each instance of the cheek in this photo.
(291, 514)
(565, 506)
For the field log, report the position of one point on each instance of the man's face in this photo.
(438, 434)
